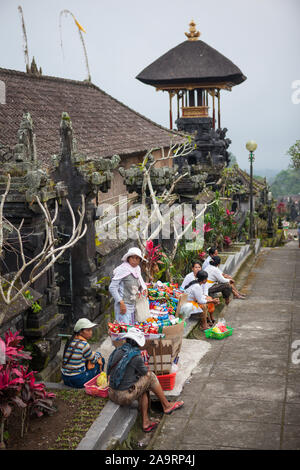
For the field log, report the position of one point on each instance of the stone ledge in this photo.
(113, 424)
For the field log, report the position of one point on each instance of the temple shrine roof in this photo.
(192, 62)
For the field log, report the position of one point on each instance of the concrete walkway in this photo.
(245, 392)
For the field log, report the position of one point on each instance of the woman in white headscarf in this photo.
(127, 281)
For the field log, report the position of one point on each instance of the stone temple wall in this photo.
(65, 292)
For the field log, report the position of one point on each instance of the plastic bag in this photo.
(142, 311)
(102, 380)
(186, 310)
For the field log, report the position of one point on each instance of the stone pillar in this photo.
(77, 271)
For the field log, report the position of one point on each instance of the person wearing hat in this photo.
(80, 363)
(130, 379)
(127, 281)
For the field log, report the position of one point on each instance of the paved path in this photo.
(245, 393)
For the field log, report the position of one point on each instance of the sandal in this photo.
(176, 406)
(151, 426)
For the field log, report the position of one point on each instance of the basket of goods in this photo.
(97, 386)
(219, 331)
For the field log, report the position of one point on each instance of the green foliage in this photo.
(294, 153)
(233, 160)
(36, 307)
(28, 295)
(230, 186)
(287, 182)
(261, 179)
(221, 221)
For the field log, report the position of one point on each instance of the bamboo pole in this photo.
(219, 111)
(214, 110)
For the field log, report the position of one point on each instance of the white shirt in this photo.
(206, 263)
(205, 288)
(196, 294)
(188, 278)
(215, 276)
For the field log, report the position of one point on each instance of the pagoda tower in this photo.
(196, 73)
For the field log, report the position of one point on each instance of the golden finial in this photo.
(193, 35)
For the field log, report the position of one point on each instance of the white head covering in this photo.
(134, 251)
(125, 268)
(83, 323)
(137, 335)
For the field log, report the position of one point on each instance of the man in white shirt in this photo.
(216, 280)
(196, 266)
(214, 252)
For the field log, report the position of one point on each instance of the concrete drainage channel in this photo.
(114, 423)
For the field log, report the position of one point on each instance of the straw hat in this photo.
(133, 252)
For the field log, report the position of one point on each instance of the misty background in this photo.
(261, 37)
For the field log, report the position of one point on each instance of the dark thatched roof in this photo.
(191, 62)
(102, 125)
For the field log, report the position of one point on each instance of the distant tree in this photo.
(286, 183)
(294, 153)
(232, 159)
(259, 178)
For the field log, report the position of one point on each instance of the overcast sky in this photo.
(262, 37)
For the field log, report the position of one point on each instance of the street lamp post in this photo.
(270, 216)
(251, 146)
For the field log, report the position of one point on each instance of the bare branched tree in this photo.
(154, 223)
(47, 256)
(25, 42)
(167, 198)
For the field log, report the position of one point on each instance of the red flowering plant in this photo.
(201, 255)
(38, 402)
(219, 223)
(207, 228)
(153, 256)
(281, 208)
(227, 240)
(18, 386)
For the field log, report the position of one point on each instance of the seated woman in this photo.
(216, 280)
(80, 363)
(127, 281)
(130, 379)
(214, 252)
(196, 266)
(197, 296)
